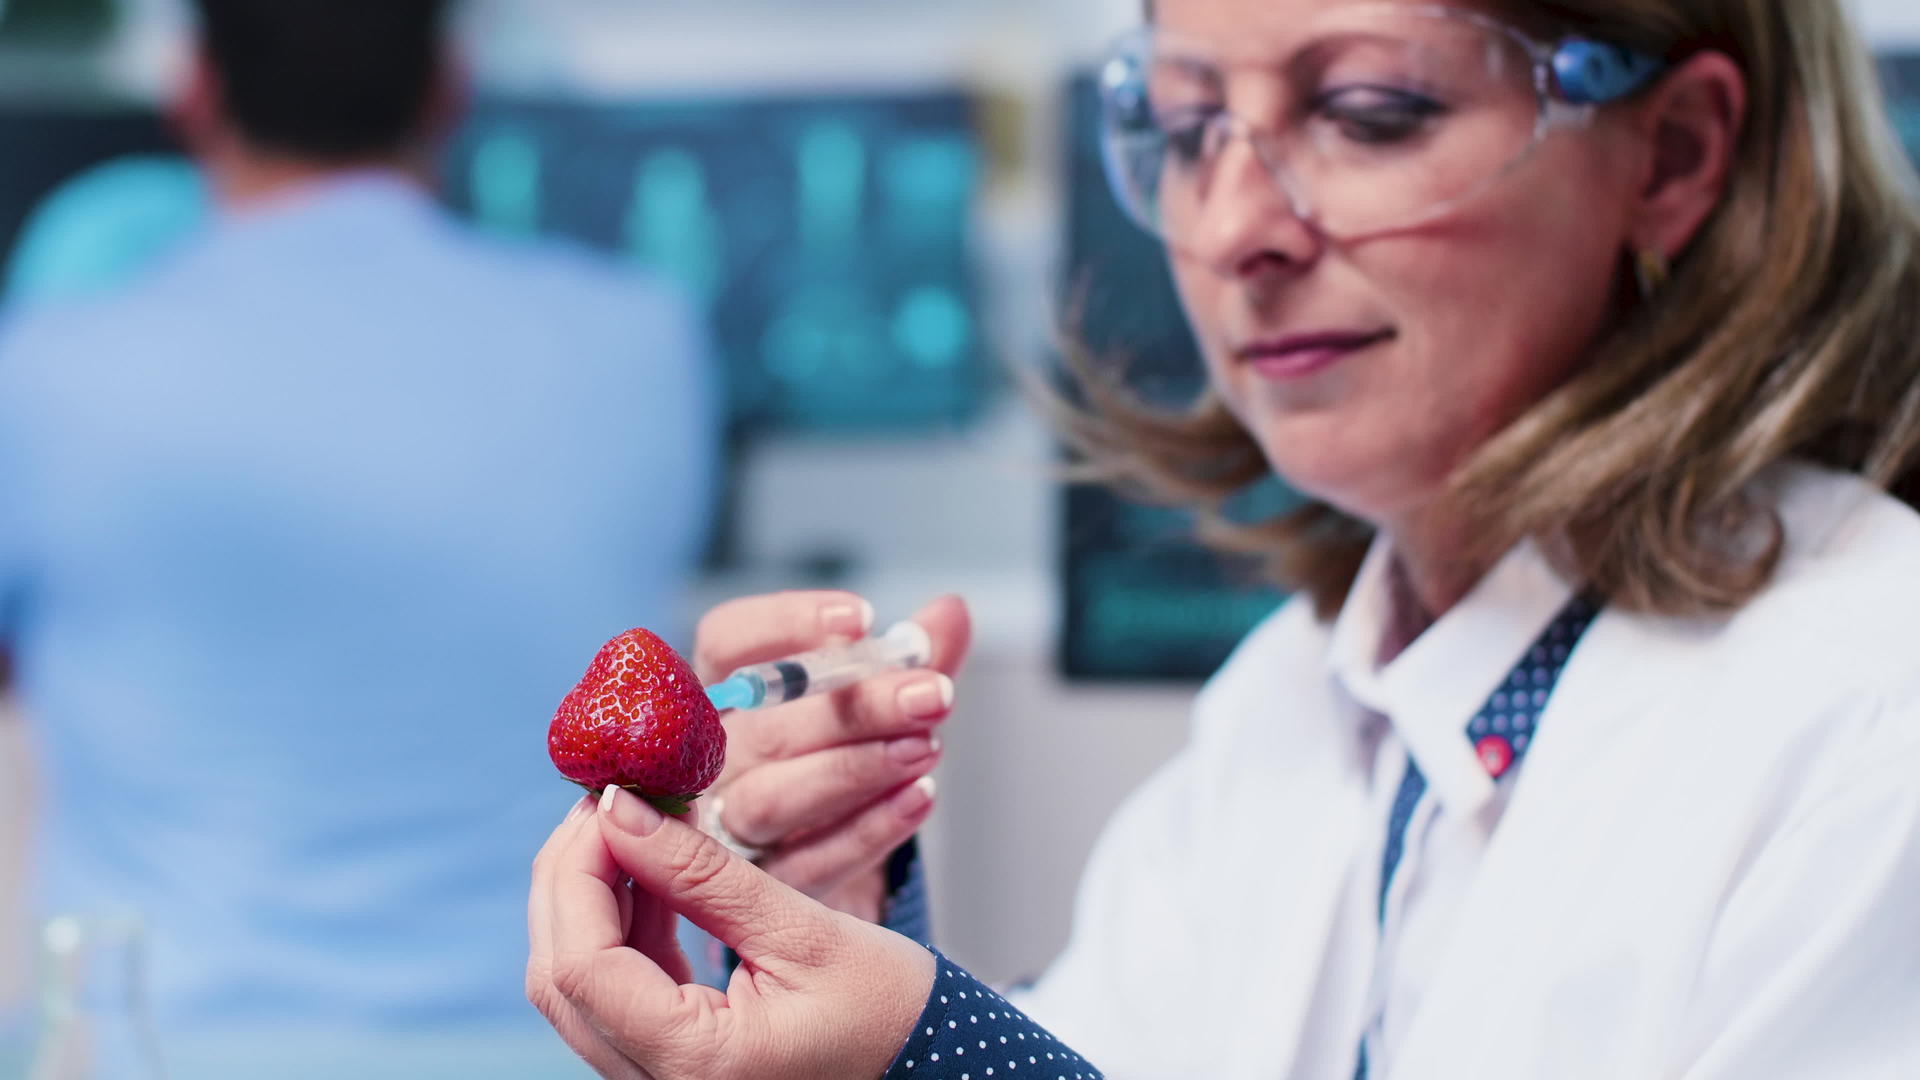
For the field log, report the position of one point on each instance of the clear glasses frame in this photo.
(1570, 80)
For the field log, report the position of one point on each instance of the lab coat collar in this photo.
(1432, 689)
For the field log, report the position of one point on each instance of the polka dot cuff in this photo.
(968, 1032)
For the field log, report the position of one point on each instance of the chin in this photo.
(1372, 484)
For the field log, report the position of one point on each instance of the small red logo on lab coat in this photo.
(1496, 754)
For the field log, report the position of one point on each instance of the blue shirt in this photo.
(301, 541)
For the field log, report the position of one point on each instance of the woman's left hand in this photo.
(817, 994)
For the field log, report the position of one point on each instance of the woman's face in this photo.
(1369, 366)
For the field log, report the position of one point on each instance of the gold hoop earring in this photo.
(1651, 267)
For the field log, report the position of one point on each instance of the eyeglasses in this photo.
(1383, 116)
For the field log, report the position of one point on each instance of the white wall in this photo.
(1888, 22)
(16, 797)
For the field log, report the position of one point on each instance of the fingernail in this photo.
(581, 807)
(911, 749)
(927, 699)
(629, 812)
(915, 797)
(850, 620)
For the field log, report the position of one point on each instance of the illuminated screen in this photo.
(1142, 601)
(1901, 73)
(829, 239)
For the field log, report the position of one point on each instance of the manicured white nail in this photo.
(851, 620)
(929, 698)
(915, 798)
(630, 813)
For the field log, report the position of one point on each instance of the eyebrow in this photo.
(1317, 55)
(1192, 67)
(1310, 58)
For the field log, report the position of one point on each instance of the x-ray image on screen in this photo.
(1900, 72)
(1141, 599)
(828, 238)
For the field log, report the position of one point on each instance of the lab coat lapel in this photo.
(1300, 827)
(1518, 961)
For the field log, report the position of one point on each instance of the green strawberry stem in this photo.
(672, 805)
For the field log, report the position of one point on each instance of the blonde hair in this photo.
(1790, 328)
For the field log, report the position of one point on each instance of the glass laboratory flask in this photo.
(93, 992)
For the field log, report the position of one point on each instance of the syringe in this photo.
(905, 645)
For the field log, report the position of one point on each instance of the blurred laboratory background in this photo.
(888, 212)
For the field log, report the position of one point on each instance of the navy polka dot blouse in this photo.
(968, 1032)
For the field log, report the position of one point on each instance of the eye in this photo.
(1188, 133)
(1378, 116)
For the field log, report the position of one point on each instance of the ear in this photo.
(1691, 122)
(449, 97)
(197, 113)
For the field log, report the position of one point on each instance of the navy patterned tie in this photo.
(1501, 733)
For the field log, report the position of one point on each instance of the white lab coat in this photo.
(1709, 866)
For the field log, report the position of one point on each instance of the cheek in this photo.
(1494, 310)
(1210, 301)
(1503, 316)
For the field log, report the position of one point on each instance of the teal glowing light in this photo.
(506, 183)
(671, 225)
(102, 228)
(933, 328)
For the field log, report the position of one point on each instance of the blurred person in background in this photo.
(303, 535)
(1591, 746)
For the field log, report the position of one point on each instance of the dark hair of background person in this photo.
(328, 80)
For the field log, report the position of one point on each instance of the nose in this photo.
(1250, 223)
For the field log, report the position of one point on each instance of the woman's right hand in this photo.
(826, 785)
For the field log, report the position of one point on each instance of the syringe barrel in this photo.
(905, 645)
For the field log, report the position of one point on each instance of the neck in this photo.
(243, 180)
(1433, 569)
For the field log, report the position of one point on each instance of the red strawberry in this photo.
(641, 720)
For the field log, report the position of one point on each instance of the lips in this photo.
(1300, 355)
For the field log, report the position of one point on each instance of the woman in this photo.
(1590, 324)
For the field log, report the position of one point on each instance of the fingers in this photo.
(770, 925)
(767, 805)
(616, 989)
(539, 896)
(819, 864)
(541, 990)
(653, 929)
(894, 704)
(761, 628)
(949, 625)
(888, 705)
(645, 924)
(586, 916)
